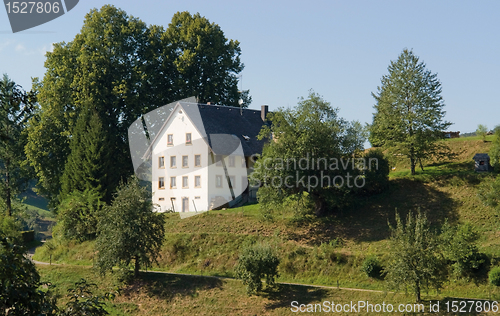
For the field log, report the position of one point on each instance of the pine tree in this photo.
(409, 111)
(88, 163)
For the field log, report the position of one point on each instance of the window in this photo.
(233, 184)
(170, 139)
(172, 183)
(218, 160)
(197, 160)
(197, 198)
(185, 162)
(173, 162)
(161, 199)
(188, 139)
(161, 183)
(231, 161)
(185, 182)
(218, 181)
(197, 181)
(161, 162)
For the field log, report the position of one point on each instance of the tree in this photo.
(20, 283)
(129, 230)
(15, 110)
(255, 263)
(206, 63)
(304, 155)
(482, 130)
(415, 260)
(495, 150)
(123, 69)
(78, 215)
(459, 245)
(88, 166)
(409, 111)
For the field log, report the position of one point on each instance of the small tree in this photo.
(460, 248)
(416, 262)
(20, 283)
(129, 230)
(495, 150)
(257, 262)
(77, 215)
(83, 302)
(482, 130)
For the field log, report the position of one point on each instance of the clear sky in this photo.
(340, 49)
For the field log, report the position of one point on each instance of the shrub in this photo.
(257, 262)
(494, 276)
(376, 173)
(372, 268)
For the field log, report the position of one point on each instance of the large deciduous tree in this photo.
(304, 154)
(123, 68)
(409, 116)
(130, 230)
(15, 109)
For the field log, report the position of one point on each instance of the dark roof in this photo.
(481, 157)
(222, 126)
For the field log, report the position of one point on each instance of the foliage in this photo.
(256, 262)
(495, 150)
(416, 262)
(494, 276)
(9, 227)
(482, 130)
(129, 230)
(78, 215)
(460, 248)
(89, 164)
(376, 172)
(308, 144)
(15, 110)
(19, 284)
(82, 301)
(489, 191)
(409, 111)
(122, 68)
(372, 267)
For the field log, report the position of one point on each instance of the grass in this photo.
(330, 250)
(166, 294)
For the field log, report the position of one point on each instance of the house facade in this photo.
(202, 156)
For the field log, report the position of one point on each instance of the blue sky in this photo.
(340, 49)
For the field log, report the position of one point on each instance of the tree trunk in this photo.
(417, 291)
(420, 162)
(137, 267)
(319, 206)
(413, 163)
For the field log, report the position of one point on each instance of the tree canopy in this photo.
(129, 230)
(304, 154)
(409, 116)
(122, 68)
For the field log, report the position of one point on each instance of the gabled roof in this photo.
(481, 157)
(222, 127)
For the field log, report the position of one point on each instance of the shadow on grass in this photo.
(286, 294)
(167, 286)
(367, 219)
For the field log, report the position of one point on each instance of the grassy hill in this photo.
(329, 251)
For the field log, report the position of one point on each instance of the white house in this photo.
(202, 154)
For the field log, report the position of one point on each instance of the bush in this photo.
(494, 276)
(257, 262)
(372, 267)
(376, 173)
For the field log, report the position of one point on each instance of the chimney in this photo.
(264, 109)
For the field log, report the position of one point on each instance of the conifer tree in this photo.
(88, 164)
(409, 111)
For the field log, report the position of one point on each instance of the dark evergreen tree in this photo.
(89, 163)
